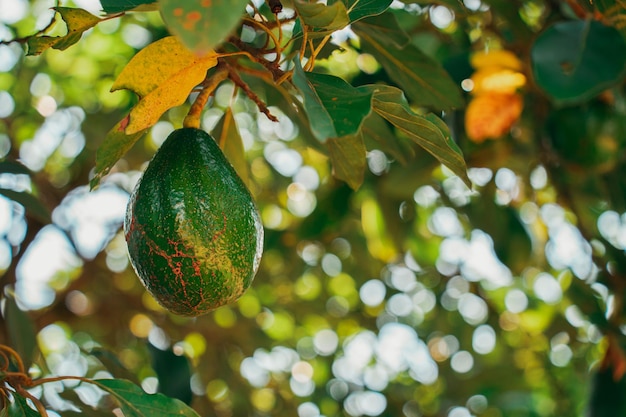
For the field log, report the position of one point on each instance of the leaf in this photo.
(118, 6)
(359, 9)
(77, 20)
(491, 115)
(134, 402)
(377, 134)
(112, 363)
(387, 30)
(347, 155)
(347, 105)
(454, 4)
(574, 61)
(320, 120)
(229, 139)
(423, 79)
(30, 203)
(21, 330)
(163, 75)
(20, 408)
(428, 131)
(13, 167)
(608, 396)
(202, 25)
(318, 15)
(173, 373)
(115, 145)
(335, 108)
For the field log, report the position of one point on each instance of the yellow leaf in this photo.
(497, 80)
(163, 75)
(490, 116)
(497, 58)
(230, 141)
(77, 21)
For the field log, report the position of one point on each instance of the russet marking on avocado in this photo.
(193, 231)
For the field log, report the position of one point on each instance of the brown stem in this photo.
(255, 55)
(235, 78)
(577, 9)
(6, 349)
(267, 31)
(40, 408)
(192, 120)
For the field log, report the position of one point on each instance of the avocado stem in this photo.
(208, 87)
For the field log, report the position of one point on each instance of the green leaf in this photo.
(20, 408)
(318, 15)
(112, 363)
(115, 145)
(428, 131)
(77, 20)
(118, 6)
(227, 136)
(13, 167)
(134, 402)
(32, 205)
(320, 120)
(347, 156)
(574, 61)
(347, 105)
(335, 108)
(608, 396)
(388, 31)
(453, 4)
(21, 330)
(202, 25)
(423, 79)
(173, 372)
(359, 9)
(377, 134)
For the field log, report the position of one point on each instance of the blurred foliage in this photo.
(387, 286)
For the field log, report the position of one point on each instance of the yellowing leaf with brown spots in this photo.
(490, 116)
(162, 75)
(77, 21)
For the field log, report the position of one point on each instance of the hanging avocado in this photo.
(194, 234)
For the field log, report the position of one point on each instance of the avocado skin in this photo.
(194, 234)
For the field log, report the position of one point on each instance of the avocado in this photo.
(194, 234)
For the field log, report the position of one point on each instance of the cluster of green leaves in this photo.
(407, 107)
(336, 111)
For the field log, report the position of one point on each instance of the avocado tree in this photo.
(440, 184)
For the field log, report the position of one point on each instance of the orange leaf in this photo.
(497, 80)
(163, 75)
(495, 58)
(490, 116)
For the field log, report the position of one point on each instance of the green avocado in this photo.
(194, 234)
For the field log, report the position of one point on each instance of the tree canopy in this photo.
(441, 184)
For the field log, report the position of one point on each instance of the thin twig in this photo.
(38, 405)
(15, 355)
(267, 31)
(235, 78)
